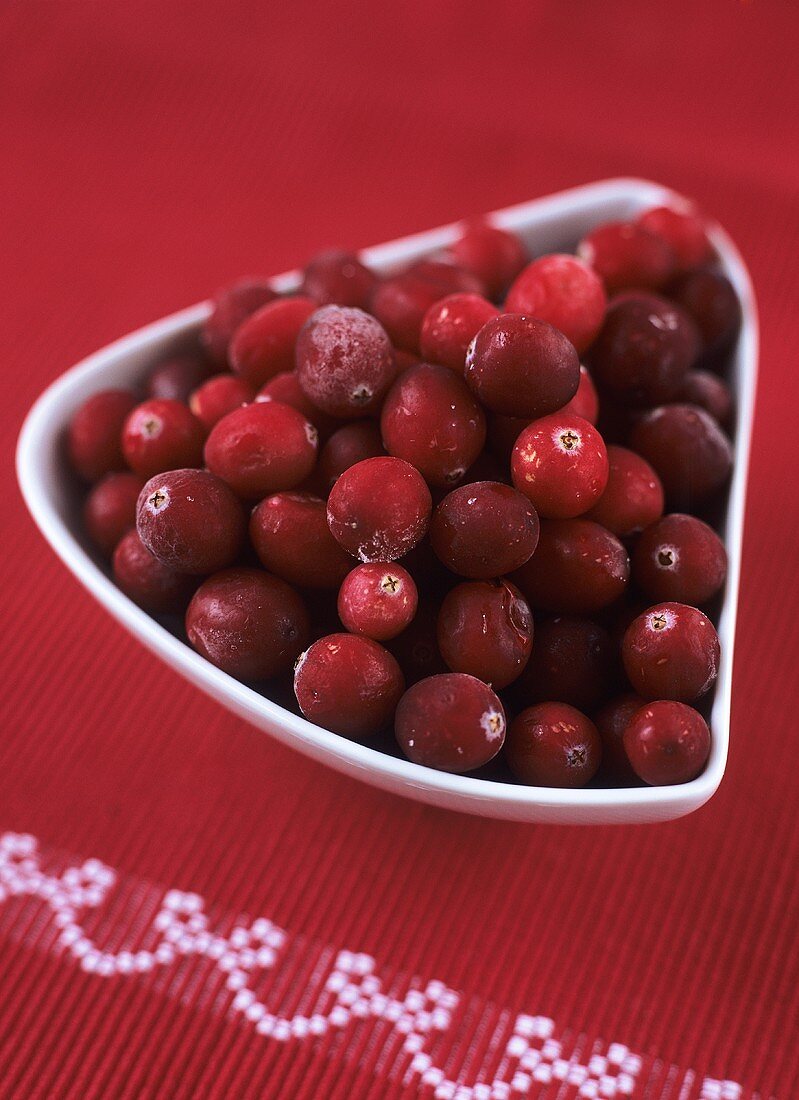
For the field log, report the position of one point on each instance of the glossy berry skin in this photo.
(110, 509)
(345, 362)
(494, 255)
(585, 402)
(553, 745)
(348, 684)
(578, 568)
(484, 530)
(681, 559)
(611, 722)
(452, 722)
(346, 446)
(162, 435)
(232, 306)
(377, 600)
(400, 304)
(218, 396)
(667, 742)
(263, 448)
(564, 291)
(264, 344)
(248, 623)
(560, 464)
(176, 378)
(191, 521)
(523, 367)
(688, 450)
(446, 277)
(94, 437)
(573, 661)
(431, 420)
(626, 256)
(338, 278)
(146, 581)
(450, 325)
(633, 496)
(671, 652)
(710, 300)
(683, 230)
(709, 392)
(290, 535)
(485, 628)
(285, 387)
(379, 509)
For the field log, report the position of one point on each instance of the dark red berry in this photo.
(611, 722)
(452, 722)
(346, 446)
(688, 450)
(484, 530)
(416, 648)
(625, 255)
(162, 435)
(573, 662)
(176, 378)
(400, 304)
(338, 278)
(217, 397)
(578, 568)
(94, 438)
(290, 535)
(145, 580)
(671, 652)
(450, 325)
(585, 402)
(710, 393)
(447, 277)
(633, 496)
(560, 464)
(710, 299)
(683, 230)
(110, 509)
(553, 745)
(667, 743)
(680, 558)
(285, 387)
(377, 600)
(564, 291)
(485, 628)
(264, 344)
(494, 255)
(231, 308)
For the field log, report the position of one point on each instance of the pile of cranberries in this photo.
(468, 500)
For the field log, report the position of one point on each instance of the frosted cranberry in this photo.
(553, 745)
(431, 420)
(175, 379)
(146, 581)
(683, 230)
(667, 743)
(484, 529)
(190, 520)
(348, 684)
(377, 600)
(110, 509)
(494, 255)
(611, 722)
(565, 292)
(217, 397)
(350, 444)
(264, 344)
(94, 438)
(452, 722)
(643, 353)
(290, 535)
(573, 662)
(710, 299)
(338, 278)
(447, 277)
(161, 435)
(285, 387)
(560, 463)
(262, 448)
(671, 652)
(585, 402)
(231, 308)
(680, 558)
(345, 362)
(248, 623)
(485, 628)
(578, 568)
(633, 496)
(708, 392)
(626, 255)
(688, 449)
(400, 304)
(520, 366)
(450, 325)
(379, 509)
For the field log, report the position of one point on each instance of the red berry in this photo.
(190, 520)
(633, 496)
(348, 684)
(452, 722)
(585, 402)
(217, 397)
(290, 535)
(377, 600)
(416, 648)
(625, 255)
(671, 652)
(450, 325)
(231, 308)
(485, 628)
(338, 278)
(565, 292)
(553, 745)
(248, 623)
(262, 448)
(708, 392)
(94, 439)
(400, 304)
(346, 446)
(683, 230)
(161, 435)
(611, 722)
(520, 366)
(285, 387)
(710, 299)
(484, 529)
(174, 379)
(447, 277)
(688, 450)
(560, 463)
(379, 509)
(146, 581)
(110, 509)
(264, 344)
(431, 420)
(494, 255)
(680, 558)
(578, 568)
(667, 743)
(573, 662)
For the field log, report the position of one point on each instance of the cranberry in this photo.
(217, 397)
(379, 509)
(671, 652)
(110, 509)
(174, 379)
(520, 366)
(683, 230)
(573, 662)
(611, 721)
(350, 444)
(400, 304)
(680, 558)
(248, 623)
(231, 308)
(264, 345)
(431, 420)
(708, 392)
(689, 451)
(345, 361)
(452, 722)
(626, 255)
(161, 435)
(553, 745)
(711, 301)
(585, 402)
(190, 520)
(285, 387)
(338, 278)
(503, 431)
(262, 448)
(578, 568)
(484, 529)
(94, 438)
(494, 255)
(487, 467)
(450, 325)
(377, 600)
(667, 743)
(447, 277)
(290, 535)
(416, 648)
(348, 684)
(146, 581)
(633, 496)
(485, 628)
(565, 292)
(404, 359)
(560, 463)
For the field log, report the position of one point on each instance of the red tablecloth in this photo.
(150, 153)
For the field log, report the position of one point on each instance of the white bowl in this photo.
(553, 223)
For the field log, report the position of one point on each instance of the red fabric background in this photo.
(150, 153)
